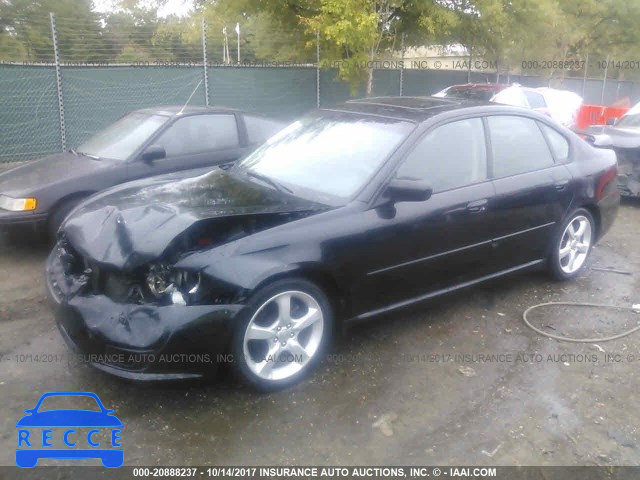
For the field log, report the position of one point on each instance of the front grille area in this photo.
(127, 359)
(118, 286)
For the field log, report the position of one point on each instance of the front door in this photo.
(424, 247)
(193, 142)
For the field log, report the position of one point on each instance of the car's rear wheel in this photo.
(282, 333)
(572, 247)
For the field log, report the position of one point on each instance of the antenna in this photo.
(190, 96)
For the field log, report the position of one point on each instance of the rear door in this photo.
(192, 142)
(533, 187)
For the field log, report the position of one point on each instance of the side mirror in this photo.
(400, 190)
(153, 152)
(612, 121)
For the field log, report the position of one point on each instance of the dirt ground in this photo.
(459, 381)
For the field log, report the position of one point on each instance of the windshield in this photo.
(330, 156)
(121, 139)
(629, 120)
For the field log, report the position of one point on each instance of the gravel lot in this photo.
(395, 390)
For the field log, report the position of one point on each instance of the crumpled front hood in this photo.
(620, 137)
(133, 224)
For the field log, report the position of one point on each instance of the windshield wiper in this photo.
(76, 152)
(278, 186)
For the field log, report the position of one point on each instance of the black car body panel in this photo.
(71, 175)
(371, 254)
(54, 178)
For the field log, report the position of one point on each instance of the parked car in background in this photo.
(561, 105)
(348, 213)
(624, 137)
(141, 144)
(472, 91)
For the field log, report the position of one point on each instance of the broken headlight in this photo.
(178, 286)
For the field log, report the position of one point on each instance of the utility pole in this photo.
(56, 54)
(238, 32)
(204, 62)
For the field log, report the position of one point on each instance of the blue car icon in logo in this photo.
(32, 446)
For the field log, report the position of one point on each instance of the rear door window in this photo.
(517, 146)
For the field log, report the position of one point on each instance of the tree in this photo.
(25, 30)
(357, 31)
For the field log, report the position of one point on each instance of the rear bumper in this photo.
(138, 342)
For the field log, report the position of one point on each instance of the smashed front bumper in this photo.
(139, 342)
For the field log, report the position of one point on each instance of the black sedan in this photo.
(348, 213)
(141, 144)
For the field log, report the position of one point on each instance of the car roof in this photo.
(414, 109)
(174, 110)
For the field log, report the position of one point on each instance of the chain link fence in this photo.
(211, 64)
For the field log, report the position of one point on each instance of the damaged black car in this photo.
(346, 214)
(623, 136)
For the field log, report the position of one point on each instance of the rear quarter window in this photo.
(557, 142)
(260, 129)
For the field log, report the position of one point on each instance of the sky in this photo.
(172, 7)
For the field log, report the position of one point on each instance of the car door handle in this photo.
(561, 185)
(477, 206)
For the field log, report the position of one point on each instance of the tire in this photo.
(272, 349)
(58, 215)
(572, 245)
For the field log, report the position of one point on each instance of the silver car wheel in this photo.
(283, 335)
(575, 244)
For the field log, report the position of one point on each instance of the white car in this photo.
(561, 105)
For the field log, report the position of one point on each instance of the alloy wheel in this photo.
(283, 335)
(575, 244)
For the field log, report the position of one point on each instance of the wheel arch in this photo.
(595, 213)
(52, 216)
(68, 197)
(335, 292)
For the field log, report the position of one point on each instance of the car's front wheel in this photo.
(283, 332)
(572, 247)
